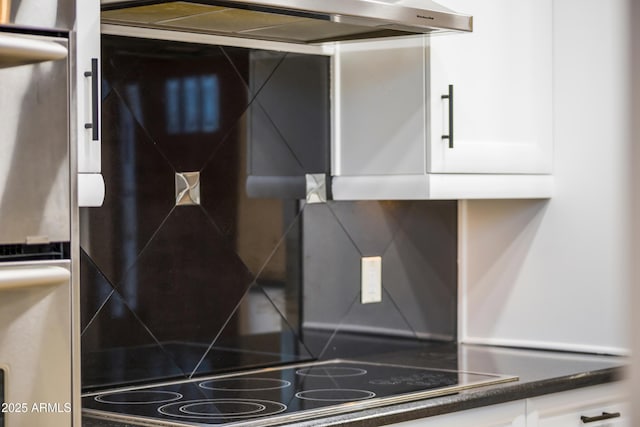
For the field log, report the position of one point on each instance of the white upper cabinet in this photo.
(502, 90)
(390, 114)
(88, 82)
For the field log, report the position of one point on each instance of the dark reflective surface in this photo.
(239, 282)
(417, 241)
(168, 291)
(280, 392)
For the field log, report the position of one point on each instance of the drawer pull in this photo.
(604, 416)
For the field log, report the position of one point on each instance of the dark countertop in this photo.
(539, 372)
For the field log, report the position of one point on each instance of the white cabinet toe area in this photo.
(390, 114)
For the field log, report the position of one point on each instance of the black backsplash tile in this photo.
(117, 348)
(254, 66)
(185, 282)
(359, 219)
(270, 153)
(421, 266)
(417, 241)
(296, 98)
(95, 290)
(256, 335)
(240, 282)
(331, 273)
(139, 193)
(281, 276)
(187, 97)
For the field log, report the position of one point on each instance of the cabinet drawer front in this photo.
(574, 418)
(567, 409)
(504, 415)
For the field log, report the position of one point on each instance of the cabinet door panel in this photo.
(501, 74)
(510, 414)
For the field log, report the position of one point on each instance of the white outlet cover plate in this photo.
(371, 280)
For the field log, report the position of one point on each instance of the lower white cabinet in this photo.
(597, 406)
(510, 414)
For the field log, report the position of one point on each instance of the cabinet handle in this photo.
(95, 81)
(604, 416)
(449, 96)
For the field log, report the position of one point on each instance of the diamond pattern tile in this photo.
(304, 119)
(117, 347)
(172, 291)
(280, 277)
(256, 335)
(256, 67)
(418, 245)
(95, 289)
(139, 194)
(187, 281)
(186, 96)
(270, 154)
(361, 217)
(366, 319)
(253, 226)
(331, 266)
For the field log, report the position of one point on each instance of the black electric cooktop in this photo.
(279, 395)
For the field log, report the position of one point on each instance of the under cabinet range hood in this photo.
(292, 21)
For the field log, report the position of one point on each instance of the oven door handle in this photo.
(16, 50)
(27, 277)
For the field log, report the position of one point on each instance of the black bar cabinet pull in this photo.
(95, 80)
(449, 96)
(604, 416)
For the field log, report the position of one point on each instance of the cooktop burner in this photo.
(245, 384)
(279, 395)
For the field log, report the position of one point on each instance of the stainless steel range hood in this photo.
(292, 21)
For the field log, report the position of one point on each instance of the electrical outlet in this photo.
(371, 280)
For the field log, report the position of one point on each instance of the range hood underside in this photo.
(285, 20)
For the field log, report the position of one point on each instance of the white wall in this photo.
(634, 18)
(553, 274)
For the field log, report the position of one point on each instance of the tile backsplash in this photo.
(418, 246)
(183, 273)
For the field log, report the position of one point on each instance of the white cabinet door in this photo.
(510, 414)
(502, 90)
(597, 406)
(87, 48)
(87, 102)
(389, 114)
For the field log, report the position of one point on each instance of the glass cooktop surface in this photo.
(278, 395)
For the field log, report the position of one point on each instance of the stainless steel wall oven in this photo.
(35, 213)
